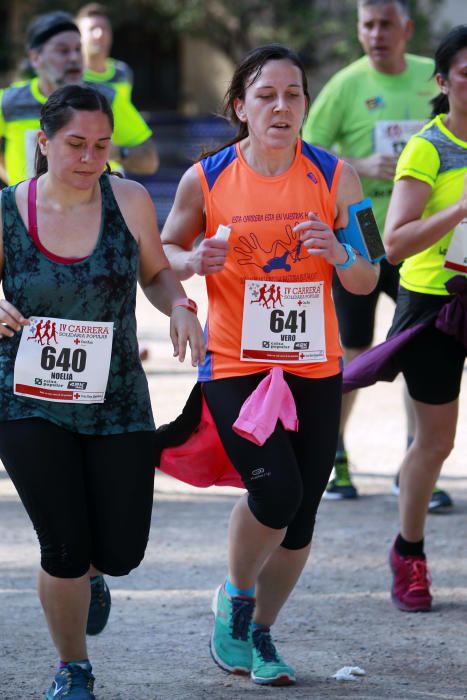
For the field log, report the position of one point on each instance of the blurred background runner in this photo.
(367, 111)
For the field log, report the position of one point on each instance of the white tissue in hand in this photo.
(349, 673)
(222, 233)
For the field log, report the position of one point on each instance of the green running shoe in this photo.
(268, 667)
(231, 643)
(440, 501)
(341, 486)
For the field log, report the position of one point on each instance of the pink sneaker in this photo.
(411, 583)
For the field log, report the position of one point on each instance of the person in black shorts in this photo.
(347, 117)
(426, 228)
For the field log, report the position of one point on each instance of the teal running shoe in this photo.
(99, 607)
(72, 682)
(268, 667)
(341, 486)
(231, 644)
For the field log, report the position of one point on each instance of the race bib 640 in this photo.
(63, 360)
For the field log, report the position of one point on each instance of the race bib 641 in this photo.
(283, 322)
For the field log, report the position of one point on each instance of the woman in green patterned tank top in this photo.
(76, 427)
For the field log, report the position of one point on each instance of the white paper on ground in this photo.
(349, 673)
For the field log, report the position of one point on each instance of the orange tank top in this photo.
(271, 304)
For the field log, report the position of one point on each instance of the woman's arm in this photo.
(406, 233)
(320, 240)
(157, 279)
(2, 259)
(184, 225)
(11, 319)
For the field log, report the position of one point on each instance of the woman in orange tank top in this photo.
(270, 306)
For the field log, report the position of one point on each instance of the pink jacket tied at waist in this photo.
(271, 401)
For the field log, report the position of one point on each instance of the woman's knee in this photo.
(299, 533)
(65, 561)
(276, 507)
(435, 448)
(436, 430)
(69, 562)
(439, 452)
(120, 561)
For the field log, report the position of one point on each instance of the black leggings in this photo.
(286, 477)
(356, 312)
(89, 496)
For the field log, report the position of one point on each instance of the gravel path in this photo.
(156, 644)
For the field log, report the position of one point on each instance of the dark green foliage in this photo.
(322, 31)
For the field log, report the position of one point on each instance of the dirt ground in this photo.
(155, 646)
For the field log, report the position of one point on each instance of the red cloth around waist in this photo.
(201, 460)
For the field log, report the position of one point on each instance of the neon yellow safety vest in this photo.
(20, 106)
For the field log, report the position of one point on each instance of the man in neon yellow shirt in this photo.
(366, 113)
(54, 49)
(96, 36)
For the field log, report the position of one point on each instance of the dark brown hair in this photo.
(247, 72)
(58, 111)
(453, 42)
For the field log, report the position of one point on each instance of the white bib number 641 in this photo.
(295, 322)
(283, 322)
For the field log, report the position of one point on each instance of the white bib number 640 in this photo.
(68, 360)
(64, 360)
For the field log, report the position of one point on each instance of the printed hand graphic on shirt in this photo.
(283, 253)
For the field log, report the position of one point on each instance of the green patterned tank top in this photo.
(101, 287)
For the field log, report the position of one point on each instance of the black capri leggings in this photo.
(89, 496)
(286, 477)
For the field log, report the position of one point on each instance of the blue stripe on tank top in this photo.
(205, 370)
(323, 160)
(214, 165)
